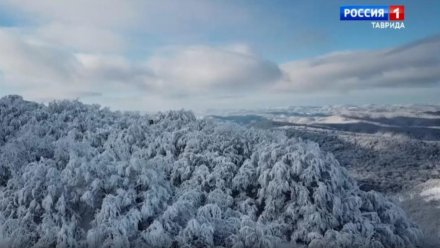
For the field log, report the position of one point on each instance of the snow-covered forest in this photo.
(75, 175)
(392, 149)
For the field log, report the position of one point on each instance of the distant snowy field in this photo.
(390, 149)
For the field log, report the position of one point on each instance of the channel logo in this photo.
(397, 13)
(372, 13)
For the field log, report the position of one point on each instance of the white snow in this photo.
(431, 194)
(75, 175)
(422, 203)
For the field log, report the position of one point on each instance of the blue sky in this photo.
(156, 55)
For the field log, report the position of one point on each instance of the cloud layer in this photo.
(67, 50)
(201, 69)
(191, 70)
(412, 65)
(177, 72)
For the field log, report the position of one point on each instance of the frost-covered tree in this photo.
(74, 175)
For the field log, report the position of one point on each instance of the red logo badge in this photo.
(397, 13)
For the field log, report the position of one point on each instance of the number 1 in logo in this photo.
(397, 13)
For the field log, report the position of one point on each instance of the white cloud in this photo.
(414, 65)
(82, 38)
(46, 71)
(73, 52)
(28, 61)
(182, 71)
(203, 68)
(106, 69)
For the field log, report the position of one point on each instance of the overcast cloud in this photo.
(412, 65)
(203, 69)
(68, 50)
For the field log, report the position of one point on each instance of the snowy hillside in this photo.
(394, 150)
(423, 204)
(74, 175)
(386, 148)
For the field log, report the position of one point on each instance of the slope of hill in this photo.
(386, 148)
(394, 150)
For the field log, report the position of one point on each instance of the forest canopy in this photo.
(76, 175)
